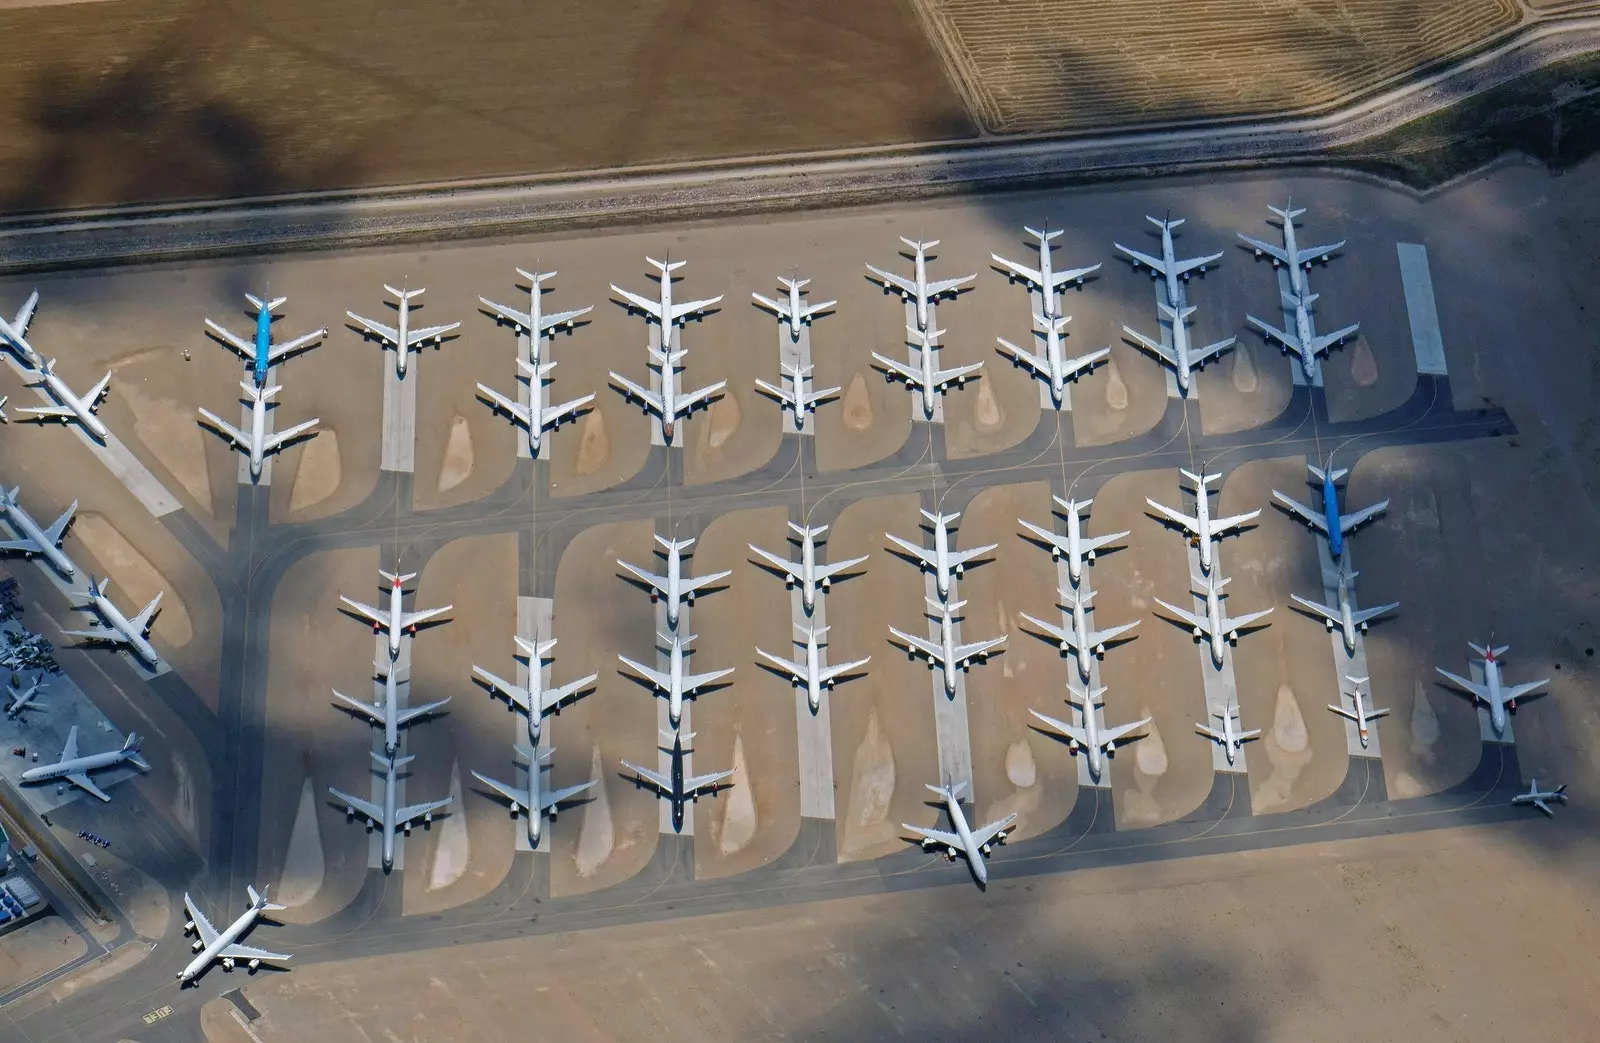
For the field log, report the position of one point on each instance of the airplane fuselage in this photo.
(1219, 637)
(396, 614)
(1080, 628)
(813, 672)
(1297, 278)
(1175, 295)
(117, 621)
(925, 360)
(674, 592)
(1230, 743)
(974, 857)
(535, 411)
(941, 557)
(669, 385)
(403, 348)
(258, 434)
(675, 684)
(222, 941)
(1202, 515)
(389, 808)
(93, 762)
(947, 645)
(1093, 755)
(263, 359)
(29, 530)
(535, 801)
(1330, 514)
(808, 569)
(82, 410)
(1075, 555)
(391, 712)
(1047, 287)
(1497, 701)
(678, 797)
(922, 294)
(1053, 356)
(796, 320)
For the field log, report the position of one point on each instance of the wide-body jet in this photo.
(257, 444)
(69, 406)
(14, 331)
(1168, 265)
(1328, 520)
(673, 682)
(1200, 525)
(1493, 692)
(1075, 547)
(118, 628)
(671, 403)
(75, 767)
(1216, 626)
(395, 620)
(401, 337)
(975, 844)
(388, 816)
(807, 574)
(1044, 278)
(1095, 744)
(535, 417)
(943, 560)
(31, 539)
(809, 672)
(665, 312)
(925, 378)
(536, 701)
(674, 587)
(1054, 367)
(389, 714)
(794, 311)
(1182, 359)
(793, 395)
(24, 699)
(259, 351)
(677, 786)
(1087, 644)
(918, 289)
(1344, 616)
(223, 946)
(951, 658)
(534, 323)
(1297, 258)
(533, 800)
(1307, 345)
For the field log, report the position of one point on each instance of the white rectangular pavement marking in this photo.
(795, 353)
(535, 619)
(1075, 715)
(399, 415)
(1421, 309)
(381, 664)
(950, 713)
(914, 359)
(664, 721)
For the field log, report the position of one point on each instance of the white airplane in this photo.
(675, 587)
(260, 352)
(944, 561)
(1094, 744)
(1542, 798)
(536, 417)
(1180, 358)
(25, 699)
(389, 817)
(665, 313)
(1074, 546)
(1345, 616)
(1044, 278)
(1201, 526)
(793, 395)
(1290, 253)
(675, 786)
(1328, 520)
(795, 311)
(33, 540)
(394, 621)
(69, 406)
(1362, 712)
(75, 768)
(1085, 643)
(256, 443)
(534, 323)
(1304, 341)
(533, 800)
(918, 288)
(1215, 624)
(926, 378)
(389, 714)
(809, 671)
(4, 419)
(536, 701)
(672, 403)
(15, 332)
(224, 945)
(949, 657)
(1493, 693)
(975, 844)
(1168, 266)
(673, 682)
(404, 339)
(807, 573)
(1230, 739)
(1054, 367)
(118, 628)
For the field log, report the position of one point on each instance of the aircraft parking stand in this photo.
(1297, 369)
(1074, 714)
(1222, 693)
(525, 352)
(1037, 303)
(949, 712)
(76, 593)
(664, 718)
(657, 436)
(399, 415)
(795, 353)
(245, 421)
(1421, 309)
(1346, 664)
(402, 695)
(912, 359)
(1166, 332)
(815, 730)
(1485, 722)
(535, 623)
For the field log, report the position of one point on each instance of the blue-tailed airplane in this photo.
(261, 352)
(1328, 520)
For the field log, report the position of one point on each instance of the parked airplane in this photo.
(212, 944)
(533, 800)
(1180, 358)
(25, 699)
(118, 629)
(1492, 692)
(1304, 341)
(793, 395)
(4, 419)
(1201, 526)
(1230, 739)
(950, 657)
(675, 587)
(975, 844)
(1054, 367)
(536, 417)
(944, 561)
(1328, 520)
(1345, 616)
(404, 340)
(257, 443)
(807, 573)
(69, 406)
(809, 672)
(926, 378)
(395, 621)
(673, 682)
(388, 714)
(1362, 712)
(1176, 272)
(675, 786)
(15, 332)
(389, 817)
(536, 701)
(665, 313)
(917, 288)
(1542, 798)
(534, 323)
(1290, 253)
(671, 403)
(1087, 644)
(261, 352)
(1074, 546)
(1094, 744)
(1044, 278)
(33, 540)
(1215, 624)
(75, 768)
(795, 311)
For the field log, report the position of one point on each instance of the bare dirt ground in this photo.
(1390, 919)
(35, 948)
(448, 390)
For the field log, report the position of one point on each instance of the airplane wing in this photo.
(822, 572)
(96, 393)
(518, 798)
(781, 564)
(505, 405)
(841, 669)
(1328, 340)
(427, 333)
(411, 619)
(815, 398)
(288, 348)
(108, 635)
(1478, 690)
(1089, 543)
(1200, 356)
(699, 784)
(25, 314)
(984, 834)
(55, 531)
(517, 695)
(282, 438)
(239, 439)
(1059, 633)
(943, 378)
(367, 710)
(658, 583)
(1301, 511)
(1180, 267)
(938, 836)
(1363, 615)
(70, 750)
(1332, 615)
(1232, 625)
(372, 812)
(1283, 337)
(1077, 735)
(679, 311)
(1221, 525)
(898, 369)
(202, 926)
(1155, 264)
(821, 308)
(688, 403)
(1154, 347)
(49, 412)
(412, 812)
(919, 644)
(639, 303)
(1519, 691)
(378, 329)
(1083, 363)
(1276, 252)
(778, 307)
(366, 610)
(81, 780)
(660, 783)
(1100, 637)
(232, 340)
(561, 796)
(1176, 517)
(1347, 522)
(1021, 271)
(961, 557)
(972, 650)
(946, 285)
(916, 550)
(1037, 363)
(1047, 537)
(656, 677)
(26, 546)
(1188, 617)
(521, 319)
(692, 583)
(693, 681)
(1305, 255)
(1110, 736)
(788, 666)
(637, 393)
(555, 415)
(555, 698)
(246, 952)
(905, 286)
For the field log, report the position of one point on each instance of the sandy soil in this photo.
(35, 948)
(758, 710)
(596, 617)
(884, 746)
(143, 901)
(447, 396)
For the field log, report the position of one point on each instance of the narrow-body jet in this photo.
(24, 699)
(1228, 735)
(1362, 712)
(1542, 798)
